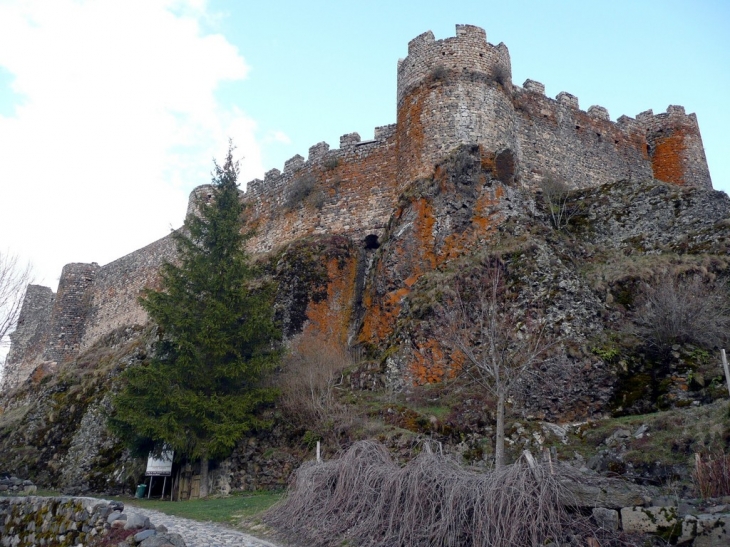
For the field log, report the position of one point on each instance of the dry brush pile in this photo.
(364, 497)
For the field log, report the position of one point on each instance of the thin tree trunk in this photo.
(499, 440)
(203, 477)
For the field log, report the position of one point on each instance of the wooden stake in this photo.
(727, 373)
(318, 453)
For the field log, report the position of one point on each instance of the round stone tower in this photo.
(451, 92)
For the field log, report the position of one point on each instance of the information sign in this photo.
(160, 466)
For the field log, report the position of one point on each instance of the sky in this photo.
(112, 111)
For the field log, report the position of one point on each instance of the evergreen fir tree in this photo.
(201, 390)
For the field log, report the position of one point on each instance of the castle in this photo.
(450, 92)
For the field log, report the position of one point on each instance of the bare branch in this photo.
(499, 343)
(14, 279)
(365, 498)
(311, 374)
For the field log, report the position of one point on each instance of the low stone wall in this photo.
(696, 523)
(63, 521)
(16, 486)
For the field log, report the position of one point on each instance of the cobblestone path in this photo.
(200, 534)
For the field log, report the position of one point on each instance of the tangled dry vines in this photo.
(366, 498)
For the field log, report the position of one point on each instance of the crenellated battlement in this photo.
(318, 155)
(468, 54)
(451, 92)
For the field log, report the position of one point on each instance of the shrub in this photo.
(682, 310)
(364, 497)
(331, 162)
(311, 374)
(439, 72)
(555, 194)
(501, 75)
(299, 190)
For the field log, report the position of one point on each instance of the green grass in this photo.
(228, 510)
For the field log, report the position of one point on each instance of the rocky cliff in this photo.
(364, 243)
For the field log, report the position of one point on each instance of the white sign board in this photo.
(160, 467)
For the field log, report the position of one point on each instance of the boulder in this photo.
(136, 521)
(608, 494)
(164, 540)
(114, 515)
(139, 537)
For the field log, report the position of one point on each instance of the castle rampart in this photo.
(70, 311)
(28, 340)
(112, 299)
(350, 190)
(450, 92)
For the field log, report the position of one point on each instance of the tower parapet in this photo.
(467, 54)
(450, 92)
(674, 145)
(71, 308)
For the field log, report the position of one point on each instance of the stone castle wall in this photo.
(350, 190)
(459, 90)
(91, 301)
(28, 341)
(450, 92)
(113, 297)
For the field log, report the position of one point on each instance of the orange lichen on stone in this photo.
(667, 158)
(331, 317)
(431, 363)
(485, 221)
(417, 255)
(410, 134)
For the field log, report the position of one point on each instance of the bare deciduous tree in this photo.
(14, 278)
(556, 194)
(678, 310)
(498, 342)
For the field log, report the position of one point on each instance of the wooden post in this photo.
(319, 459)
(164, 483)
(727, 373)
(150, 490)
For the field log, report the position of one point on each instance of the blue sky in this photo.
(111, 110)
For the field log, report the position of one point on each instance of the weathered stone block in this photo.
(713, 530)
(650, 519)
(606, 518)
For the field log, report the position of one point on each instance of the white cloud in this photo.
(277, 136)
(117, 122)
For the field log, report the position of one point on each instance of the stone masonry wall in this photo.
(30, 335)
(113, 297)
(65, 521)
(70, 312)
(451, 92)
(459, 91)
(350, 190)
(555, 139)
(675, 147)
